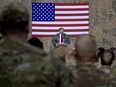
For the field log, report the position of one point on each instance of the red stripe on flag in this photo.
(67, 4)
(71, 30)
(58, 25)
(72, 19)
(71, 14)
(73, 9)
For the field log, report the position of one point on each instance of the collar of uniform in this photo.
(86, 64)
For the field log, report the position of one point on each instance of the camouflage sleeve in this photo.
(113, 69)
(113, 76)
(67, 39)
(54, 41)
(65, 77)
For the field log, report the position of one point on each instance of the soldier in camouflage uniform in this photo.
(59, 52)
(113, 70)
(113, 75)
(70, 59)
(113, 67)
(86, 73)
(22, 65)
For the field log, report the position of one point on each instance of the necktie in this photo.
(61, 38)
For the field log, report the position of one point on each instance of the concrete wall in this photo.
(102, 20)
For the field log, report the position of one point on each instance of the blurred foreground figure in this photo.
(59, 52)
(20, 64)
(86, 73)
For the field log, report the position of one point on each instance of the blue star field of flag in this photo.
(43, 12)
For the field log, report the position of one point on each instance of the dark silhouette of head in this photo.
(14, 21)
(101, 50)
(36, 42)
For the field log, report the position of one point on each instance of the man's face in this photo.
(61, 31)
(107, 57)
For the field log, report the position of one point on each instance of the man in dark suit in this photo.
(61, 38)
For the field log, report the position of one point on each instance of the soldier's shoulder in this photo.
(90, 74)
(113, 68)
(113, 71)
(20, 50)
(105, 69)
(71, 64)
(87, 69)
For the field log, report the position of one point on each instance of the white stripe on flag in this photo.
(60, 22)
(56, 28)
(71, 12)
(53, 33)
(71, 17)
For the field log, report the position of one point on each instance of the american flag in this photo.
(47, 18)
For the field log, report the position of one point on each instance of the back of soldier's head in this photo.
(58, 52)
(14, 18)
(85, 47)
(35, 42)
(107, 58)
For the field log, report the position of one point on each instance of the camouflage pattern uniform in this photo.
(98, 63)
(113, 69)
(55, 39)
(59, 52)
(71, 64)
(87, 75)
(24, 66)
(105, 69)
(70, 60)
